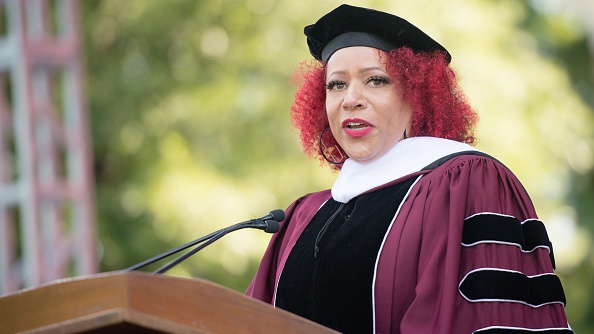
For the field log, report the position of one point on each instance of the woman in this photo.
(420, 233)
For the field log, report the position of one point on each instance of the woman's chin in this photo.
(363, 158)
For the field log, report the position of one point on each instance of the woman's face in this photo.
(364, 104)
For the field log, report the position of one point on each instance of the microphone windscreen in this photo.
(278, 215)
(272, 226)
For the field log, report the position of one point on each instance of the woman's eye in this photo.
(377, 81)
(338, 85)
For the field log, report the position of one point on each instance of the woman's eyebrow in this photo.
(362, 70)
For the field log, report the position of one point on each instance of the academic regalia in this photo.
(464, 251)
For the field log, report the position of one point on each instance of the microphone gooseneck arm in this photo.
(172, 251)
(219, 234)
(269, 223)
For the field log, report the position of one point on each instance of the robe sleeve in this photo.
(467, 254)
(297, 216)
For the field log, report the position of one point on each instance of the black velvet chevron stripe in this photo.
(492, 285)
(489, 227)
(508, 330)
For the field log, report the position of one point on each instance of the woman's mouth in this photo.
(356, 128)
(353, 125)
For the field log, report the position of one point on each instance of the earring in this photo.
(323, 148)
(405, 136)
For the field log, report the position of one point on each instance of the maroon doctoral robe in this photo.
(465, 252)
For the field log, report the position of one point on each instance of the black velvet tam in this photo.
(355, 26)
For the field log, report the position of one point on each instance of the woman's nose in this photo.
(354, 98)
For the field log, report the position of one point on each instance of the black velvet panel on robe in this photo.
(333, 286)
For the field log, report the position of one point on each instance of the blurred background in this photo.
(187, 106)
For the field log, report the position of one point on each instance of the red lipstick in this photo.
(356, 127)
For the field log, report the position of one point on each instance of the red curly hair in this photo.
(440, 109)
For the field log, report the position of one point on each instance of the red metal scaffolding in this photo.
(47, 228)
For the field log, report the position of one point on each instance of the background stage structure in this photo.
(47, 228)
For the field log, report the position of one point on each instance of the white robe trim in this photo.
(407, 156)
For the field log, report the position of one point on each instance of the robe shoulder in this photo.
(467, 222)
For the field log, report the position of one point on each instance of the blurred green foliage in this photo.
(190, 126)
(189, 112)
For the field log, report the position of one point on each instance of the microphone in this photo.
(278, 215)
(269, 223)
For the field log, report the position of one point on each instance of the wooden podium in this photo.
(137, 302)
